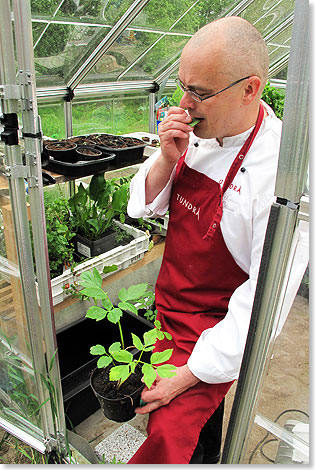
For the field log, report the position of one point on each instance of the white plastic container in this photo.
(121, 256)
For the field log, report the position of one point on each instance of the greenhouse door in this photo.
(30, 387)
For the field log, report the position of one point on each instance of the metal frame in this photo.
(273, 272)
(40, 327)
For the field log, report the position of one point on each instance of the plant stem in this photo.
(121, 335)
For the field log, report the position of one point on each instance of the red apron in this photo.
(197, 278)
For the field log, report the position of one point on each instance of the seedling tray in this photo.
(80, 168)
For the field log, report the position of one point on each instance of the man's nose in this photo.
(187, 101)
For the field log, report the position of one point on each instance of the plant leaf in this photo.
(137, 342)
(128, 306)
(136, 291)
(119, 373)
(149, 337)
(107, 303)
(97, 350)
(110, 269)
(159, 357)
(96, 313)
(114, 347)
(149, 375)
(168, 335)
(122, 294)
(104, 361)
(94, 292)
(114, 315)
(122, 356)
(166, 370)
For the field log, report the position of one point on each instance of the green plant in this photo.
(59, 234)
(124, 362)
(94, 207)
(275, 99)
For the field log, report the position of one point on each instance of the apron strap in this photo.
(231, 174)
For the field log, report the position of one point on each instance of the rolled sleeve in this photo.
(136, 205)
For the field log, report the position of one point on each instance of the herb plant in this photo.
(124, 362)
(59, 235)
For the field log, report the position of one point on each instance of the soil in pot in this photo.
(62, 151)
(85, 153)
(117, 404)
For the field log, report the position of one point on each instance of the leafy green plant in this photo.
(94, 207)
(59, 234)
(275, 99)
(124, 362)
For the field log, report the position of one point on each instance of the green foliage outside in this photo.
(275, 98)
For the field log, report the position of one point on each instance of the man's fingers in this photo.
(154, 405)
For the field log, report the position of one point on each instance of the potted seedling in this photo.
(122, 371)
(93, 210)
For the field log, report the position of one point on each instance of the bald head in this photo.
(237, 47)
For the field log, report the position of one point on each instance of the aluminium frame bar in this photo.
(13, 159)
(32, 142)
(279, 236)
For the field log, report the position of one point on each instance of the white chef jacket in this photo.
(218, 352)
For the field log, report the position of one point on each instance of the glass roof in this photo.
(120, 40)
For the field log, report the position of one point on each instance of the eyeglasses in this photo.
(199, 98)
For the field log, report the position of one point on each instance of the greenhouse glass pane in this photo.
(52, 120)
(161, 56)
(279, 45)
(57, 60)
(19, 402)
(123, 53)
(203, 12)
(284, 394)
(265, 15)
(117, 115)
(95, 11)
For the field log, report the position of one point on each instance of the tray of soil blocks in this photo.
(126, 149)
(84, 160)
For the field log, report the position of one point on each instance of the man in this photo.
(217, 180)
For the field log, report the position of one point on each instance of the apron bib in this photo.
(198, 275)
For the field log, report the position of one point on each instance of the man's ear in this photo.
(251, 89)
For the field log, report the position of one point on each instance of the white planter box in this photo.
(121, 256)
(162, 227)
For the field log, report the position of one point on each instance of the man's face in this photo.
(220, 114)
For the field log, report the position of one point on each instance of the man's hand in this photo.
(174, 134)
(174, 138)
(165, 389)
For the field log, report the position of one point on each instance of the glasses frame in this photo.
(199, 98)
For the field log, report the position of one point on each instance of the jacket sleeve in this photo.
(218, 353)
(136, 205)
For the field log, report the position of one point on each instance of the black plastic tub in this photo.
(62, 151)
(126, 149)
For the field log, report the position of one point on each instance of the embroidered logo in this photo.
(189, 206)
(232, 186)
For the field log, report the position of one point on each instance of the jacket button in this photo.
(196, 144)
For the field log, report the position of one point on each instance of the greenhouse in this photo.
(88, 278)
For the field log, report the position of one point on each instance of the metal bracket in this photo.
(26, 82)
(23, 171)
(10, 92)
(291, 205)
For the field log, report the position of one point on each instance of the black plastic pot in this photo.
(76, 363)
(118, 409)
(62, 151)
(84, 246)
(87, 153)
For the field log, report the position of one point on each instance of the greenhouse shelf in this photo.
(122, 256)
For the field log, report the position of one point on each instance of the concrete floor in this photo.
(286, 387)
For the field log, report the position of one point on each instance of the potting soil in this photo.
(107, 388)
